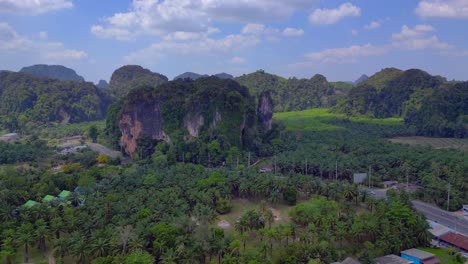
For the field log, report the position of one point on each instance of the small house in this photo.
(9, 137)
(389, 184)
(455, 240)
(348, 260)
(359, 177)
(419, 257)
(392, 259)
(30, 204)
(266, 169)
(64, 195)
(49, 199)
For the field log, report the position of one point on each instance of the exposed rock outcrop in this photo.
(207, 109)
(130, 77)
(265, 110)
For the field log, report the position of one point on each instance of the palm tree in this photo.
(8, 250)
(99, 247)
(269, 217)
(25, 237)
(61, 247)
(42, 234)
(79, 247)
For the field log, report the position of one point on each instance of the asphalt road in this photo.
(442, 217)
(433, 213)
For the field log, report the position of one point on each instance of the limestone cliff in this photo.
(184, 110)
(265, 110)
(130, 77)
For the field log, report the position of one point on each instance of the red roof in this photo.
(457, 240)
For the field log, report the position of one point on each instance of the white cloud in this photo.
(348, 54)
(237, 60)
(43, 35)
(332, 16)
(204, 46)
(417, 31)
(152, 17)
(66, 54)
(13, 43)
(293, 32)
(372, 25)
(33, 7)
(417, 38)
(253, 28)
(354, 32)
(443, 8)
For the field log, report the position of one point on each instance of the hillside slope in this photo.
(53, 71)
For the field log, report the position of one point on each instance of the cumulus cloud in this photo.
(151, 17)
(417, 38)
(443, 8)
(253, 28)
(372, 25)
(237, 60)
(66, 54)
(348, 54)
(293, 32)
(332, 16)
(354, 32)
(33, 7)
(204, 46)
(13, 43)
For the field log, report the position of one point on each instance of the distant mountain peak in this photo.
(53, 71)
(363, 77)
(195, 76)
(102, 84)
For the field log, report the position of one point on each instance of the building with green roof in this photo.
(64, 195)
(30, 204)
(49, 198)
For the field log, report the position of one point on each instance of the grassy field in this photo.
(437, 143)
(442, 255)
(318, 119)
(242, 205)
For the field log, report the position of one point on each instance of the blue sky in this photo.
(339, 39)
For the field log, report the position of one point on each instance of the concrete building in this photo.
(455, 240)
(392, 259)
(388, 184)
(11, 137)
(417, 256)
(359, 177)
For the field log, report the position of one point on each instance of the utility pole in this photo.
(448, 198)
(306, 167)
(336, 169)
(275, 163)
(407, 181)
(370, 183)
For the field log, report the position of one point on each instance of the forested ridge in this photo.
(192, 190)
(429, 104)
(292, 94)
(27, 101)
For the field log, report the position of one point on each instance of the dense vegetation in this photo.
(53, 71)
(27, 101)
(326, 142)
(291, 94)
(220, 114)
(152, 211)
(129, 77)
(429, 104)
(22, 151)
(194, 76)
